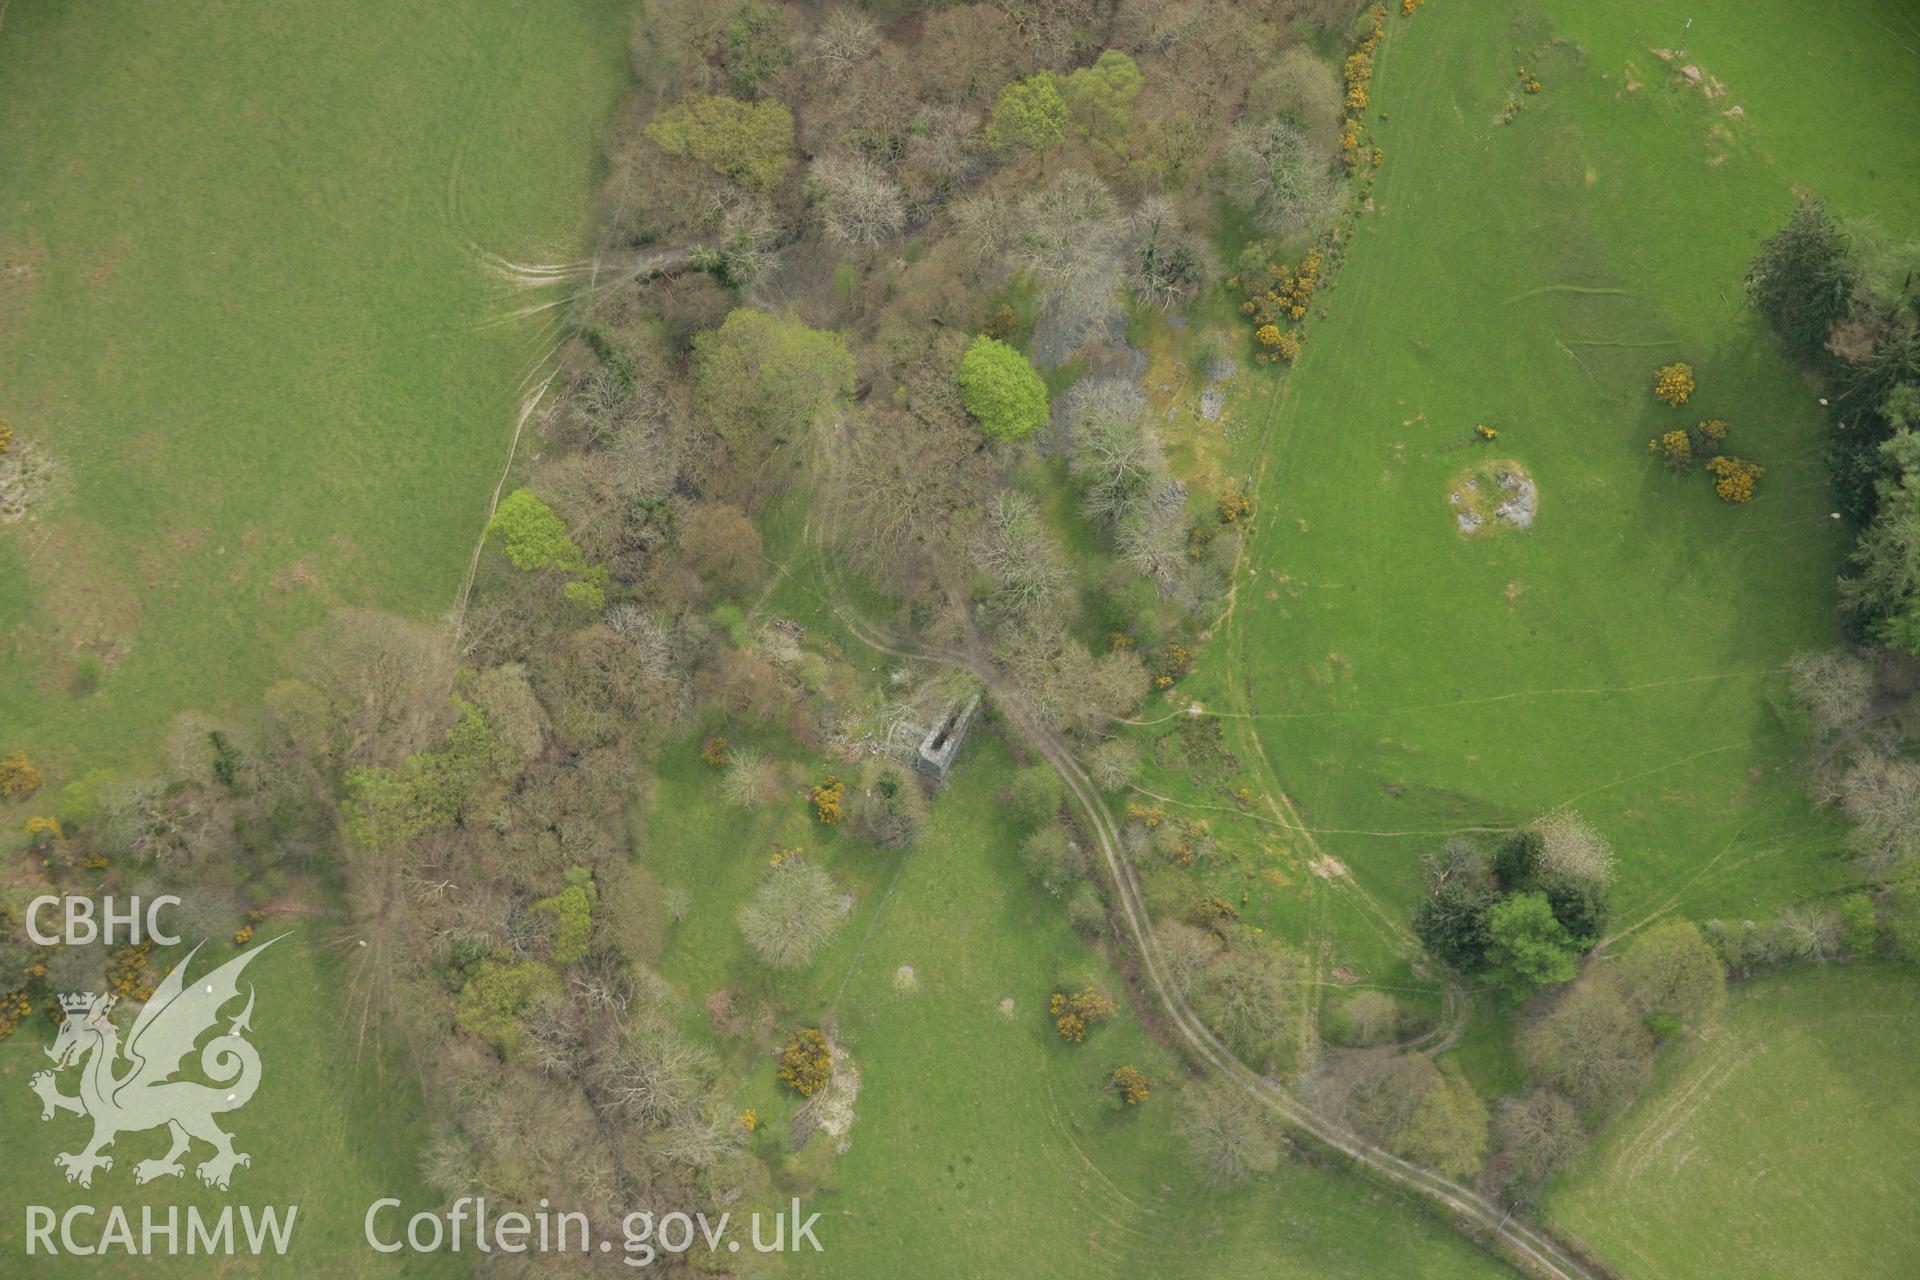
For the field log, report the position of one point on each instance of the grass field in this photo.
(243, 304)
(1779, 1145)
(243, 308)
(1623, 657)
(332, 1129)
(984, 1145)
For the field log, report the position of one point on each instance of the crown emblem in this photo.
(77, 1002)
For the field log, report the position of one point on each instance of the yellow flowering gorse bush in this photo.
(1673, 384)
(1733, 478)
(1274, 297)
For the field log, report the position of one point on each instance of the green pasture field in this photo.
(1623, 657)
(336, 1125)
(244, 306)
(1778, 1144)
(983, 1144)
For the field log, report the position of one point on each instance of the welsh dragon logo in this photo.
(125, 1089)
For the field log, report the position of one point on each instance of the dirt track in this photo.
(1464, 1207)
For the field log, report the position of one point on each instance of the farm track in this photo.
(1526, 1247)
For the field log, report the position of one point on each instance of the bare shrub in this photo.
(751, 779)
(1369, 1017)
(794, 913)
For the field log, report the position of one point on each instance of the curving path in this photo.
(1528, 1248)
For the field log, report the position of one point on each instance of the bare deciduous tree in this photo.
(985, 220)
(1252, 998)
(657, 1076)
(1812, 931)
(1016, 550)
(841, 41)
(1185, 953)
(1152, 541)
(1066, 237)
(1590, 1045)
(1834, 686)
(1115, 455)
(1164, 259)
(1880, 795)
(1535, 1135)
(1113, 763)
(1369, 1017)
(1229, 1138)
(1282, 178)
(859, 204)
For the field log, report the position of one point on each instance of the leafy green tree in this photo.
(1028, 113)
(1860, 923)
(1580, 905)
(1451, 922)
(1034, 795)
(1903, 910)
(1052, 858)
(497, 995)
(447, 782)
(1085, 912)
(759, 375)
(750, 142)
(1001, 390)
(382, 809)
(1881, 590)
(1672, 968)
(1802, 281)
(1100, 100)
(755, 48)
(534, 536)
(388, 807)
(1528, 947)
(1448, 1128)
(1516, 857)
(571, 913)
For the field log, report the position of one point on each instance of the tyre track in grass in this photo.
(1528, 1248)
(1532, 1250)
